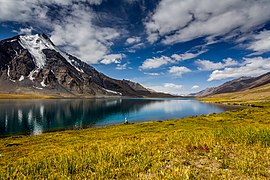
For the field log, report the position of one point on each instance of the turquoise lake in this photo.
(37, 116)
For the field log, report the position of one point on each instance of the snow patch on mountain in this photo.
(8, 72)
(114, 92)
(71, 62)
(21, 78)
(35, 44)
(13, 40)
(39, 88)
(43, 83)
(30, 76)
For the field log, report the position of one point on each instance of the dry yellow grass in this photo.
(230, 145)
(258, 94)
(25, 96)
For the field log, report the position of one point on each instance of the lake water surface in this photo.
(38, 116)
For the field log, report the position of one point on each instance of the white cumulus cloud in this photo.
(171, 85)
(170, 88)
(156, 62)
(133, 40)
(152, 63)
(33, 10)
(112, 58)
(178, 70)
(250, 67)
(206, 65)
(26, 31)
(204, 18)
(74, 30)
(78, 36)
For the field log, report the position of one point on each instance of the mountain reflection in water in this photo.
(37, 116)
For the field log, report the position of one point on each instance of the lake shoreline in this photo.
(183, 143)
(36, 116)
(52, 96)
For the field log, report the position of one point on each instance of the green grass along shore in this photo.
(229, 145)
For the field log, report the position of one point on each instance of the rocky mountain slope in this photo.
(237, 85)
(34, 65)
(261, 93)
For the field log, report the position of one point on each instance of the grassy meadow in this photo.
(258, 94)
(229, 145)
(24, 96)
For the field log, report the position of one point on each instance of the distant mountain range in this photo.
(32, 64)
(237, 85)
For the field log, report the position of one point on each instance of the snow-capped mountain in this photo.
(32, 64)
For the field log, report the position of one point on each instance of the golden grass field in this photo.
(258, 94)
(24, 96)
(229, 145)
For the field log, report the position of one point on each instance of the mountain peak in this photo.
(35, 44)
(33, 64)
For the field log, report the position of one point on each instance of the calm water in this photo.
(38, 116)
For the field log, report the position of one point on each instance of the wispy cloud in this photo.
(123, 66)
(204, 18)
(152, 74)
(261, 43)
(79, 36)
(195, 87)
(34, 11)
(134, 43)
(26, 31)
(187, 55)
(157, 62)
(206, 65)
(73, 29)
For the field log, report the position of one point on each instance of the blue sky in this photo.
(175, 46)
